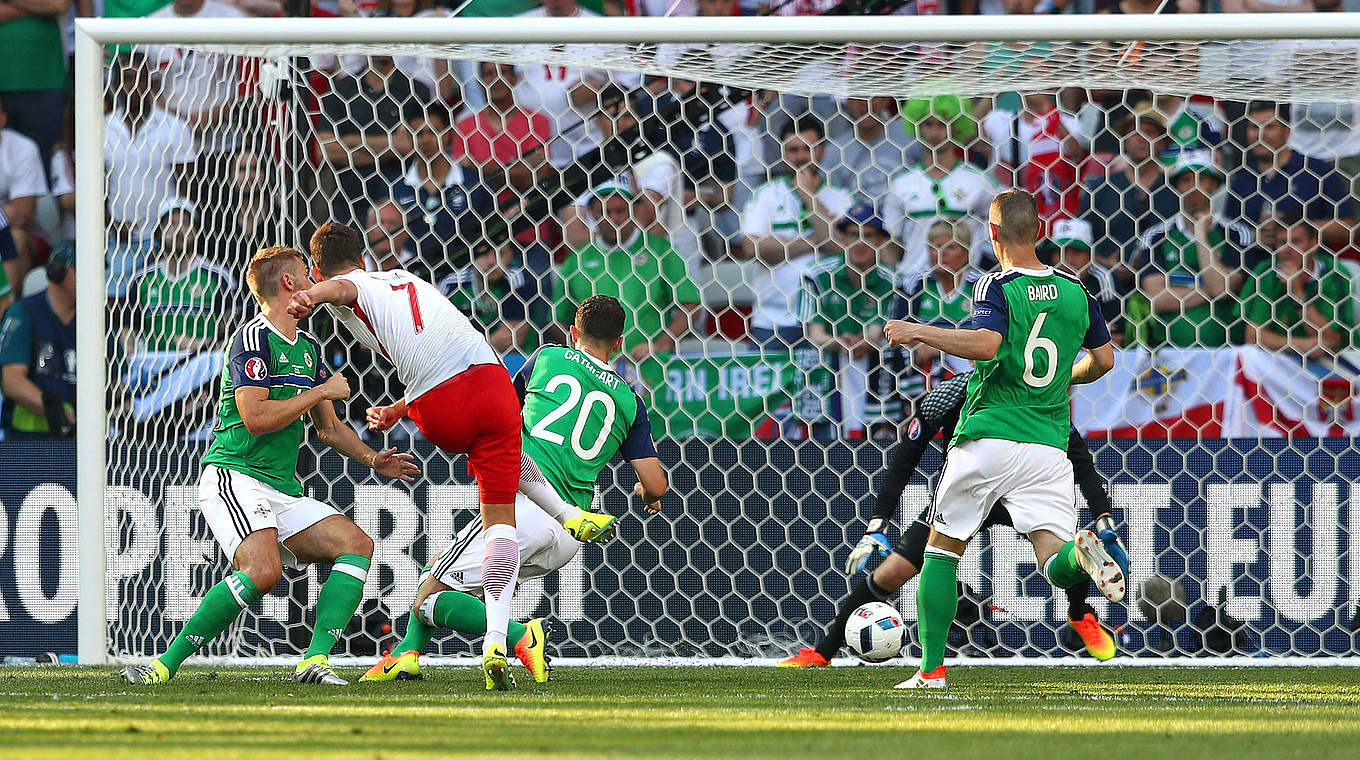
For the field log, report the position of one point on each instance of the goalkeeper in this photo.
(939, 411)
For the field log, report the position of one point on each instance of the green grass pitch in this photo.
(998, 713)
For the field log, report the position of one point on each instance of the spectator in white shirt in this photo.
(61, 176)
(22, 182)
(567, 94)
(1041, 145)
(787, 221)
(149, 159)
(205, 90)
(942, 186)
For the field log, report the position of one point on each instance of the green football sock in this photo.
(937, 602)
(1063, 569)
(339, 598)
(219, 607)
(418, 632)
(466, 614)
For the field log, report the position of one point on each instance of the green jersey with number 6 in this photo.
(1045, 318)
(578, 412)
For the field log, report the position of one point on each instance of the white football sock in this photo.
(500, 571)
(536, 487)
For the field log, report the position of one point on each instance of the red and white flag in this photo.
(1168, 393)
(1234, 392)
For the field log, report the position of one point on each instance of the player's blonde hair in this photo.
(950, 230)
(265, 267)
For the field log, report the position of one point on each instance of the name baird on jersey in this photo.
(1047, 292)
(603, 375)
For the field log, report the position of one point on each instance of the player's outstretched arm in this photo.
(1093, 365)
(651, 485)
(343, 439)
(261, 414)
(304, 302)
(976, 345)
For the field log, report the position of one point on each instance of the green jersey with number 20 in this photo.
(1045, 318)
(577, 413)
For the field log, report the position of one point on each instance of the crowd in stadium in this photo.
(761, 221)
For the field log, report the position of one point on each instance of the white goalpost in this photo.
(748, 560)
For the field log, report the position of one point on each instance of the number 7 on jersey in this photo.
(410, 289)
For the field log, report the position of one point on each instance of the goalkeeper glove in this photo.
(874, 542)
(1104, 528)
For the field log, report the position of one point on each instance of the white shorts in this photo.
(237, 505)
(1034, 482)
(544, 546)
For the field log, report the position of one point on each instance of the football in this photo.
(875, 632)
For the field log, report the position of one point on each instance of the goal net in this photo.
(761, 207)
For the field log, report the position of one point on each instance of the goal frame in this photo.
(92, 34)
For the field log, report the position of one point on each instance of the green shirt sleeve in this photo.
(810, 302)
(16, 335)
(676, 273)
(1256, 309)
(1344, 310)
(564, 307)
(5, 289)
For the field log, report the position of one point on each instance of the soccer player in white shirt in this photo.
(457, 392)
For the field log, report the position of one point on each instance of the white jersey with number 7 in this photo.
(408, 320)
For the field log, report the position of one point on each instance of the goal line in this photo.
(614, 661)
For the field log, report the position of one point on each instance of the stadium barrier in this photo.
(748, 569)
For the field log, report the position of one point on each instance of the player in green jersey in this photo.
(578, 413)
(1029, 323)
(249, 490)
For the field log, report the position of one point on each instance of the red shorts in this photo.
(476, 412)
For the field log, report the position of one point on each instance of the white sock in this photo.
(536, 487)
(500, 570)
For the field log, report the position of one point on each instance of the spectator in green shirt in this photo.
(178, 303)
(642, 271)
(846, 300)
(33, 79)
(176, 329)
(1193, 264)
(943, 295)
(1302, 301)
(844, 304)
